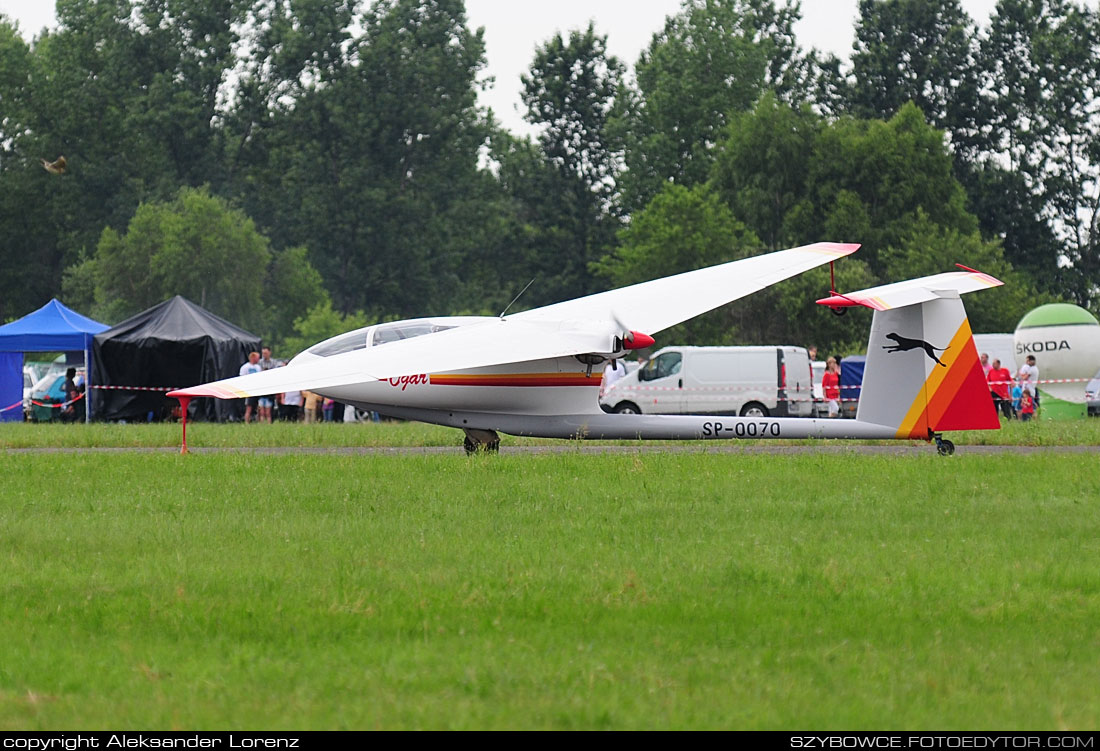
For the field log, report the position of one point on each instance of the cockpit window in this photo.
(348, 342)
(382, 334)
(392, 332)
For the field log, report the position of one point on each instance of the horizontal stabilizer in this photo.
(914, 291)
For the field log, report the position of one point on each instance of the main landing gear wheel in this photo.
(481, 441)
(945, 447)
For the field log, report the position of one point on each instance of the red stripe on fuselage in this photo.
(518, 379)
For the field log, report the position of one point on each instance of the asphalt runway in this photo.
(830, 448)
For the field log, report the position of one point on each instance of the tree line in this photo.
(305, 166)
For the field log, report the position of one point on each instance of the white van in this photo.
(750, 381)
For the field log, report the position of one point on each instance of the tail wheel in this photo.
(945, 447)
(754, 409)
(627, 408)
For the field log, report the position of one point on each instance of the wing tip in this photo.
(200, 391)
(839, 249)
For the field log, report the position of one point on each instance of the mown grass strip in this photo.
(566, 591)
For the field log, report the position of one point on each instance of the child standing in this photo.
(1027, 406)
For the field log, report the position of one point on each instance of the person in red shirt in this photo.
(830, 387)
(1027, 406)
(1000, 383)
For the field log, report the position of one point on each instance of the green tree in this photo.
(365, 146)
(199, 247)
(292, 285)
(795, 178)
(128, 92)
(569, 91)
(867, 180)
(920, 51)
(930, 248)
(1040, 57)
(24, 284)
(681, 229)
(319, 323)
(713, 58)
(762, 167)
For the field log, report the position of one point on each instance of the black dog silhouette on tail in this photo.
(902, 344)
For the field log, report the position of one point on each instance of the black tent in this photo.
(174, 344)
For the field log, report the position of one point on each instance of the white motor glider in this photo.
(531, 373)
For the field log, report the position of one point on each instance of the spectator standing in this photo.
(986, 367)
(327, 408)
(1017, 394)
(1029, 375)
(252, 366)
(830, 387)
(292, 405)
(267, 402)
(612, 372)
(999, 379)
(312, 401)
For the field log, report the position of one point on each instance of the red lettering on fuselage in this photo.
(405, 381)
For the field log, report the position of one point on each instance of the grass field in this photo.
(562, 591)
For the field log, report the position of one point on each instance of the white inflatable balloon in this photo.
(1065, 340)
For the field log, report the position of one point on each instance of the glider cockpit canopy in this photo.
(384, 333)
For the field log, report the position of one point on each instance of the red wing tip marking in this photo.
(991, 281)
(214, 391)
(840, 248)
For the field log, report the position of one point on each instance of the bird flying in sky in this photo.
(56, 167)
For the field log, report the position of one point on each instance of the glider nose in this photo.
(638, 340)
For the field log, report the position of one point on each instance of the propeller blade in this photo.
(628, 334)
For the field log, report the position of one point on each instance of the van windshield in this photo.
(661, 366)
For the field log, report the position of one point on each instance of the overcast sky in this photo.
(513, 28)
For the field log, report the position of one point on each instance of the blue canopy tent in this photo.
(51, 328)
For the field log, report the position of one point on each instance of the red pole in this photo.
(185, 402)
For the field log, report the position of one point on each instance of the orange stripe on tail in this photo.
(955, 397)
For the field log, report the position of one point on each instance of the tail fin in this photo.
(923, 374)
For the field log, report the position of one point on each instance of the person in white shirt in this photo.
(1029, 377)
(612, 372)
(250, 367)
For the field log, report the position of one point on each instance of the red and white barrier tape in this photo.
(17, 404)
(138, 388)
(56, 405)
(1046, 380)
(766, 387)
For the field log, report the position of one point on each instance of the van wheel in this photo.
(754, 409)
(627, 408)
